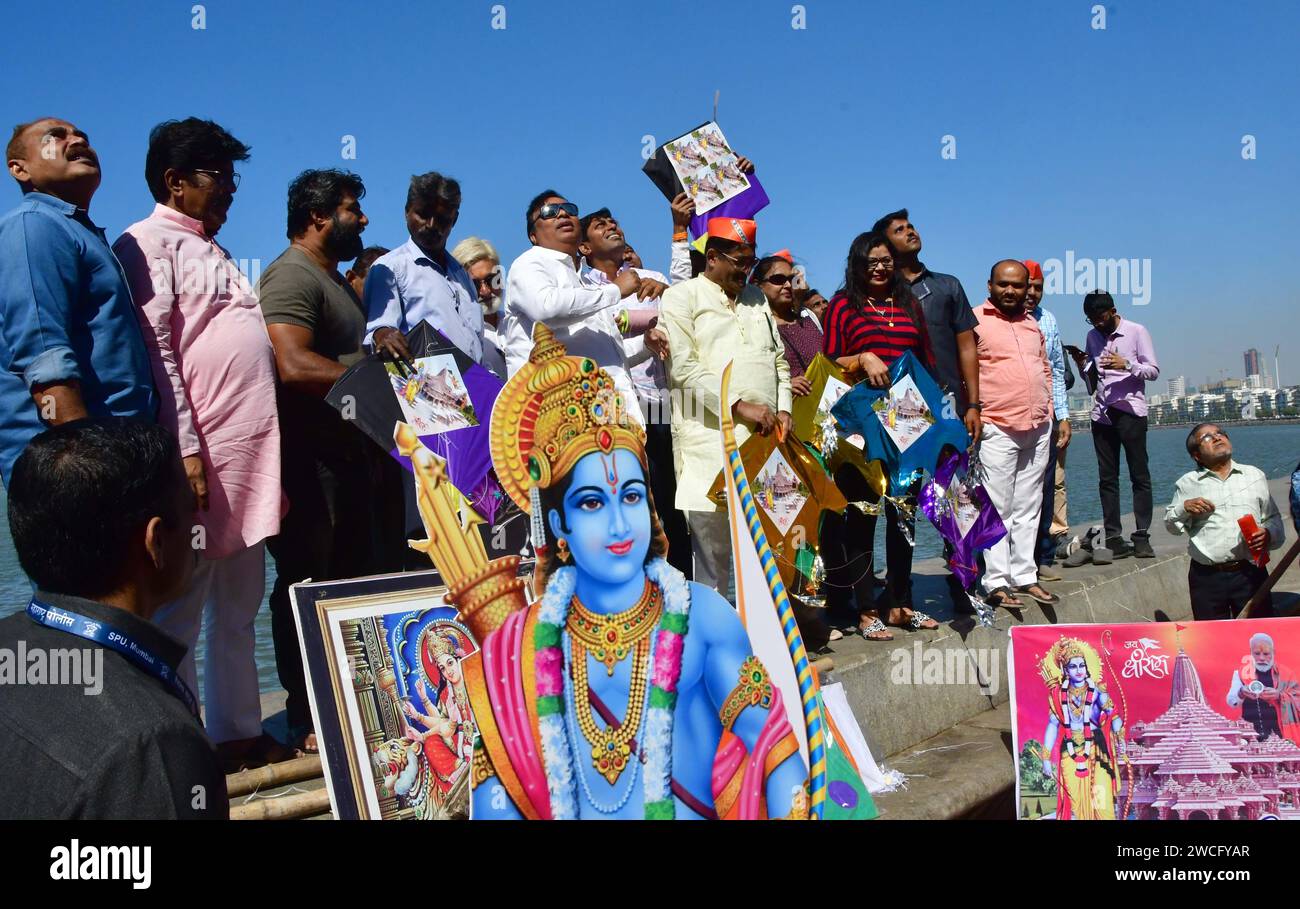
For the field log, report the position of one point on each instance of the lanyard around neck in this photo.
(107, 636)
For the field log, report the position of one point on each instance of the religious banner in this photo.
(382, 657)
(1157, 721)
(904, 425)
(791, 489)
(960, 510)
(703, 165)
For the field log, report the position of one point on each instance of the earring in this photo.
(562, 549)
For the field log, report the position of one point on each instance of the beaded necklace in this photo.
(666, 667)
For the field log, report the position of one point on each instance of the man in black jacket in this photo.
(94, 721)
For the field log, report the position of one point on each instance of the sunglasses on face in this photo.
(779, 280)
(875, 264)
(1214, 434)
(745, 264)
(552, 210)
(221, 179)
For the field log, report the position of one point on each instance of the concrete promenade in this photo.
(953, 741)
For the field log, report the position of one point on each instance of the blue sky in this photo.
(1123, 142)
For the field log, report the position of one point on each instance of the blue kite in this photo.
(905, 426)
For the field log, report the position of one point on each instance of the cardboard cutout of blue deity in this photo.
(906, 425)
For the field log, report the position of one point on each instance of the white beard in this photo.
(1263, 667)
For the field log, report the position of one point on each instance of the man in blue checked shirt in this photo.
(1052, 522)
(68, 330)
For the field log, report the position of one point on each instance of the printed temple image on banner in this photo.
(1158, 721)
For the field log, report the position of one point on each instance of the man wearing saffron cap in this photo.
(714, 319)
(1052, 523)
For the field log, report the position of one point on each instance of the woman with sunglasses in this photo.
(802, 339)
(870, 323)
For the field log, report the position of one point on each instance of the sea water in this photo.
(1274, 449)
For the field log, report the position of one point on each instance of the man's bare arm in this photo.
(299, 366)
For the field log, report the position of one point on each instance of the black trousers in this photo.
(847, 543)
(1129, 433)
(326, 535)
(1223, 594)
(663, 486)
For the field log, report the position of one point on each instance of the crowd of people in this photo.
(126, 357)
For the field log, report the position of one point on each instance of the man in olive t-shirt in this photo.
(316, 326)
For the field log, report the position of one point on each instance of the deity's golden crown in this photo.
(1069, 648)
(551, 413)
(442, 644)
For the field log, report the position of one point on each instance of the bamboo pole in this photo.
(1272, 579)
(282, 808)
(258, 778)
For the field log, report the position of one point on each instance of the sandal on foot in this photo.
(1004, 597)
(1044, 596)
(876, 628)
(919, 621)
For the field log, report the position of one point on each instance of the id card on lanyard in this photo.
(108, 636)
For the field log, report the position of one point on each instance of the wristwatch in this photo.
(977, 405)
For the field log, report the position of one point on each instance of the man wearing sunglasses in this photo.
(1209, 505)
(543, 285)
(420, 281)
(215, 368)
(714, 319)
(1120, 359)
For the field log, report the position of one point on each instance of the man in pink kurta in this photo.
(1015, 381)
(215, 371)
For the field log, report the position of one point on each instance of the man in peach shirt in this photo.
(215, 370)
(1015, 381)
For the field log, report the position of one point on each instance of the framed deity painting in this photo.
(382, 656)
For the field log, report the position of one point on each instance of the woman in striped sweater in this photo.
(870, 323)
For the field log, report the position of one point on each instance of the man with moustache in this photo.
(420, 281)
(215, 369)
(316, 325)
(68, 331)
(1207, 505)
(1052, 522)
(714, 319)
(603, 249)
(543, 285)
(1015, 380)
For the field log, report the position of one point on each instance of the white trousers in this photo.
(1014, 465)
(223, 599)
(711, 552)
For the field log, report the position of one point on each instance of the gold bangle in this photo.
(754, 688)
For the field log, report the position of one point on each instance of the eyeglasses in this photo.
(552, 210)
(779, 280)
(1214, 434)
(886, 264)
(1100, 319)
(745, 264)
(490, 279)
(220, 178)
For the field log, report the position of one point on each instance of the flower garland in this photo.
(666, 669)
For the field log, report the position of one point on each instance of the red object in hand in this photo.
(1248, 529)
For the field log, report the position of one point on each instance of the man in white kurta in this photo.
(543, 285)
(712, 320)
